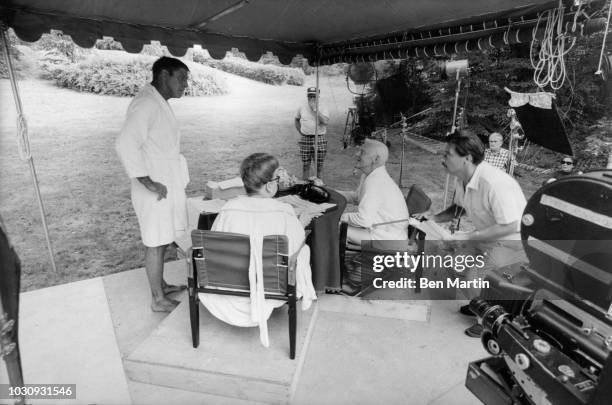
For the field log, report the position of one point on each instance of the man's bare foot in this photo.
(170, 288)
(164, 305)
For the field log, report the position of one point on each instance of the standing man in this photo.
(492, 200)
(305, 123)
(495, 155)
(149, 148)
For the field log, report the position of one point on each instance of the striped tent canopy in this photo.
(323, 31)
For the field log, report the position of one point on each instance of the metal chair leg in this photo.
(194, 313)
(292, 325)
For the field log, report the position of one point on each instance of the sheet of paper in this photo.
(432, 230)
(302, 206)
(235, 182)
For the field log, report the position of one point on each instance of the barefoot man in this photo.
(149, 148)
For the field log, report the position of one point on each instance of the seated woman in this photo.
(257, 214)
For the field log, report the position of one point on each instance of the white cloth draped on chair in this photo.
(258, 217)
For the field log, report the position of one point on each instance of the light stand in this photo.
(460, 68)
(404, 125)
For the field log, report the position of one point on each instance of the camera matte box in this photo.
(567, 235)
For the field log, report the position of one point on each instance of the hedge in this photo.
(125, 76)
(269, 73)
(15, 55)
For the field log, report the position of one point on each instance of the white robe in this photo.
(258, 217)
(149, 145)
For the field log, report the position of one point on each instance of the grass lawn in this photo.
(86, 192)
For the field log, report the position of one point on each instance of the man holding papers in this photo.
(492, 200)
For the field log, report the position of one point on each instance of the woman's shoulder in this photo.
(275, 204)
(257, 204)
(239, 202)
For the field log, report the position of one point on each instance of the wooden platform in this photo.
(230, 361)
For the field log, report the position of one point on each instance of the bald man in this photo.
(495, 155)
(378, 197)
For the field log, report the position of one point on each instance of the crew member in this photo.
(493, 201)
(495, 155)
(568, 165)
(305, 123)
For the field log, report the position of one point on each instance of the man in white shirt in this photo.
(378, 197)
(149, 148)
(305, 123)
(492, 199)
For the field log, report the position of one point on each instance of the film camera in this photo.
(548, 324)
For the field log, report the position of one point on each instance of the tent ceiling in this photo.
(284, 27)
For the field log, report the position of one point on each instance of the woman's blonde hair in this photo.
(256, 170)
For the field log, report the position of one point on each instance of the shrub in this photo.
(50, 61)
(302, 63)
(269, 74)
(15, 57)
(108, 44)
(205, 82)
(269, 58)
(126, 76)
(337, 69)
(58, 44)
(155, 48)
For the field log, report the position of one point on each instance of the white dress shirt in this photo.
(491, 197)
(380, 200)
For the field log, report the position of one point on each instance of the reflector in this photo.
(361, 73)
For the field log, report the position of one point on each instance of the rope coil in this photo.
(603, 44)
(550, 67)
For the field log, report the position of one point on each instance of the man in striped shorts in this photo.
(305, 122)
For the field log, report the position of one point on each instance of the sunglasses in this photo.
(567, 162)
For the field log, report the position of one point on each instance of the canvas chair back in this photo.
(224, 261)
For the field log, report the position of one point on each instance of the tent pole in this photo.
(24, 143)
(453, 128)
(316, 134)
(403, 133)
